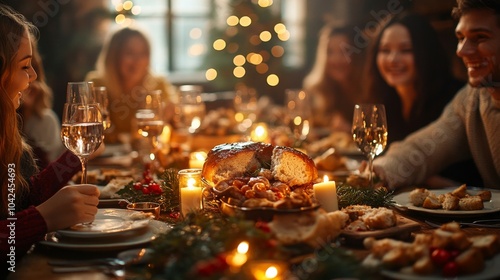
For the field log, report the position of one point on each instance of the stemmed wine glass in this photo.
(245, 106)
(299, 115)
(82, 129)
(369, 130)
(101, 98)
(191, 109)
(149, 118)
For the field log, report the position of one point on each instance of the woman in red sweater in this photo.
(32, 202)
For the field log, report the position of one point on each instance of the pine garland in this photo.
(168, 199)
(374, 197)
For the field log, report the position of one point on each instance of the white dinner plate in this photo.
(121, 242)
(491, 206)
(108, 222)
(490, 271)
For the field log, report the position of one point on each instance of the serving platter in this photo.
(491, 206)
(402, 230)
(265, 214)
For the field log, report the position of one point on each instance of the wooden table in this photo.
(35, 266)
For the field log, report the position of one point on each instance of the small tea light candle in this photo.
(326, 194)
(267, 270)
(238, 257)
(259, 133)
(190, 190)
(197, 159)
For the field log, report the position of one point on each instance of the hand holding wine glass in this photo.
(369, 130)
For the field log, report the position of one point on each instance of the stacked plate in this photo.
(112, 229)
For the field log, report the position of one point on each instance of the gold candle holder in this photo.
(190, 190)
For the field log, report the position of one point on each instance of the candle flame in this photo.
(325, 178)
(271, 272)
(191, 182)
(201, 156)
(243, 247)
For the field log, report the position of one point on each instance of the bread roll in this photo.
(292, 167)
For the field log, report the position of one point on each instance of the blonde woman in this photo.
(123, 67)
(335, 79)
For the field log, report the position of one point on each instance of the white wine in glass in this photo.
(149, 118)
(82, 132)
(369, 131)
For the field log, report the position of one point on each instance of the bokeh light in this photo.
(239, 72)
(211, 74)
(273, 80)
(219, 44)
(265, 36)
(232, 20)
(245, 21)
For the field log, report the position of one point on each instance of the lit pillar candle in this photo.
(326, 194)
(267, 270)
(259, 133)
(197, 159)
(190, 190)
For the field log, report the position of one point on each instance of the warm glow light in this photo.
(232, 20)
(284, 36)
(297, 120)
(127, 5)
(325, 178)
(279, 28)
(243, 247)
(239, 72)
(262, 68)
(195, 33)
(119, 7)
(196, 50)
(191, 182)
(152, 156)
(219, 44)
(231, 31)
(119, 19)
(239, 117)
(273, 80)
(211, 74)
(239, 60)
(265, 3)
(271, 272)
(277, 51)
(195, 124)
(245, 21)
(265, 36)
(254, 58)
(136, 10)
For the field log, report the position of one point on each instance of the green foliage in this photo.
(169, 199)
(351, 195)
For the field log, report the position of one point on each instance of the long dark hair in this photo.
(431, 63)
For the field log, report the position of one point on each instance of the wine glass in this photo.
(82, 131)
(191, 110)
(80, 93)
(369, 130)
(149, 118)
(101, 98)
(299, 114)
(245, 106)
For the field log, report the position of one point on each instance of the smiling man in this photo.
(469, 126)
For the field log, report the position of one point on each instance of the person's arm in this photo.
(54, 177)
(428, 150)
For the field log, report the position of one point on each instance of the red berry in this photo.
(450, 269)
(145, 191)
(263, 226)
(138, 185)
(440, 257)
(147, 179)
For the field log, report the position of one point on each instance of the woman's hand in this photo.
(69, 206)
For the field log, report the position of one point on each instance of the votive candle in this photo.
(190, 189)
(326, 194)
(197, 159)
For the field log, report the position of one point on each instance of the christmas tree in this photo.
(247, 46)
